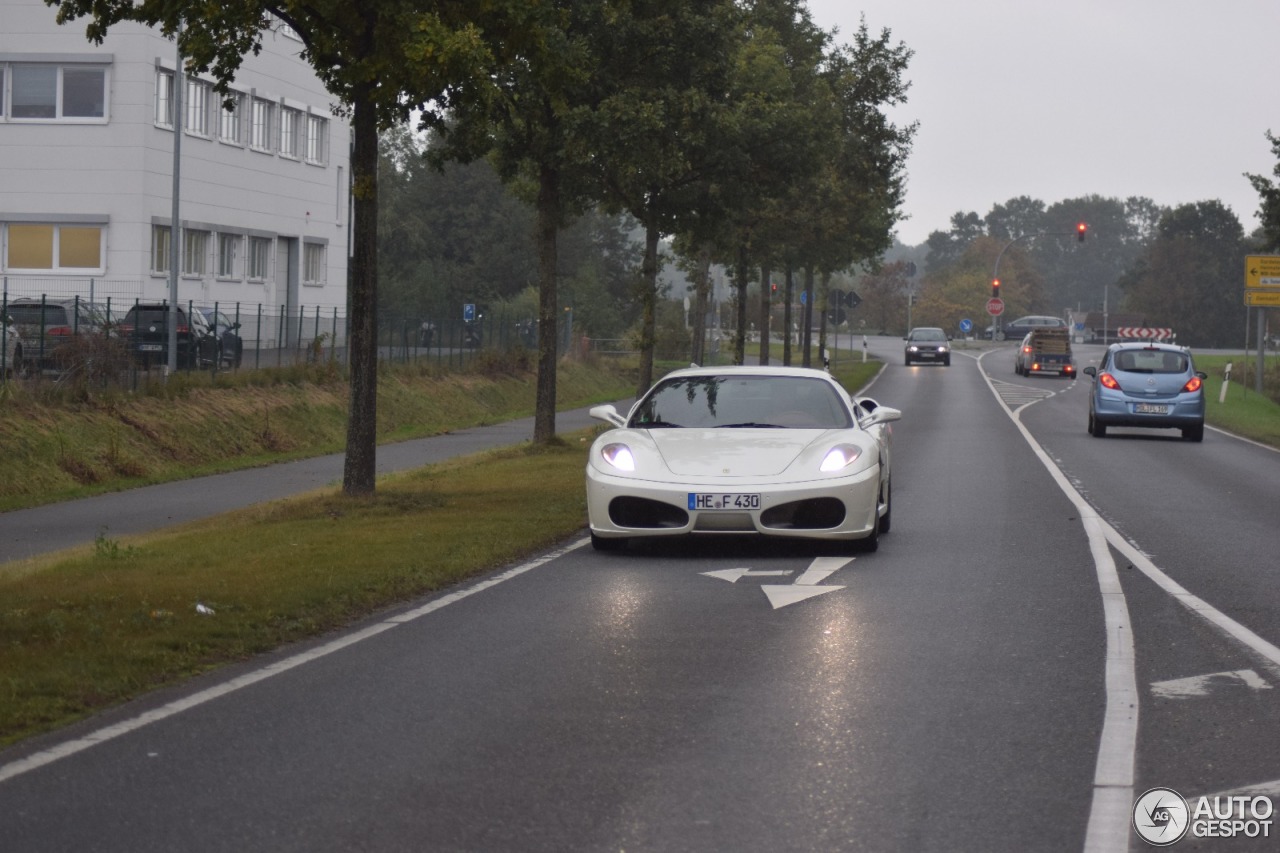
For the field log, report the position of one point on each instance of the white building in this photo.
(86, 172)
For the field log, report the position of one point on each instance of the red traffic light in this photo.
(1081, 229)
(995, 287)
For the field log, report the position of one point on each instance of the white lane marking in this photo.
(71, 747)
(806, 586)
(1108, 822)
(1113, 778)
(733, 575)
(1262, 789)
(1203, 685)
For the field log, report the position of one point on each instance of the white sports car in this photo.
(780, 451)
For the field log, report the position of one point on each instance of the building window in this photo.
(46, 91)
(196, 107)
(289, 121)
(195, 248)
(260, 131)
(317, 139)
(54, 247)
(313, 266)
(228, 254)
(164, 98)
(259, 258)
(229, 118)
(160, 248)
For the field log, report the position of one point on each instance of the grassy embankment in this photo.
(91, 628)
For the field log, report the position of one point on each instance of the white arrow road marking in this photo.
(732, 575)
(806, 586)
(1200, 685)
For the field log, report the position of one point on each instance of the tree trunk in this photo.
(702, 293)
(786, 317)
(548, 223)
(806, 332)
(822, 317)
(649, 306)
(740, 273)
(765, 296)
(360, 465)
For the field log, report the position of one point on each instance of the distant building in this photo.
(86, 171)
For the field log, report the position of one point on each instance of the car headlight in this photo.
(840, 457)
(913, 348)
(619, 456)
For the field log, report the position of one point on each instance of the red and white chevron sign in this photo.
(1143, 333)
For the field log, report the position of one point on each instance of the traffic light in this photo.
(773, 287)
(1081, 230)
(995, 288)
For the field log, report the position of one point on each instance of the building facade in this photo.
(87, 137)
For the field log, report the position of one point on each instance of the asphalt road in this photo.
(1055, 624)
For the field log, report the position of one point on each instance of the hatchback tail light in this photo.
(1193, 384)
(1108, 381)
(60, 331)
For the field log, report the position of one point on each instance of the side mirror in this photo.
(1091, 371)
(882, 415)
(608, 414)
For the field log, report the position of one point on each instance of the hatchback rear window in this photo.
(1151, 361)
(30, 314)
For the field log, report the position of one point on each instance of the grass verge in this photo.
(1243, 412)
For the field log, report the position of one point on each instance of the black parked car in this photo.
(227, 333)
(146, 329)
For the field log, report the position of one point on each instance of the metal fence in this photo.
(268, 335)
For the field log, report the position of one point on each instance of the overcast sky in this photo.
(1167, 99)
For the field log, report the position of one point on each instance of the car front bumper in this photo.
(624, 507)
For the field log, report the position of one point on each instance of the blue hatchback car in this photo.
(1147, 385)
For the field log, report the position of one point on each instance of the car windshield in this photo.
(776, 402)
(928, 335)
(1151, 361)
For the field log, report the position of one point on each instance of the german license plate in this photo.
(723, 500)
(150, 347)
(1150, 409)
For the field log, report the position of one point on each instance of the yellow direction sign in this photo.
(1262, 298)
(1262, 271)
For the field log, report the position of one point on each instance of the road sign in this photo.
(1262, 271)
(1144, 333)
(995, 306)
(1262, 298)
(469, 312)
(966, 326)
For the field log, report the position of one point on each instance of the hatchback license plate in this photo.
(1150, 409)
(721, 500)
(150, 347)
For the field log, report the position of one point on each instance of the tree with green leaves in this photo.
(530, 121)
(1269, 200)
(382, 60)
(657, 117)
(1189, 277)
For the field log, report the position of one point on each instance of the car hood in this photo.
(733, 452)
